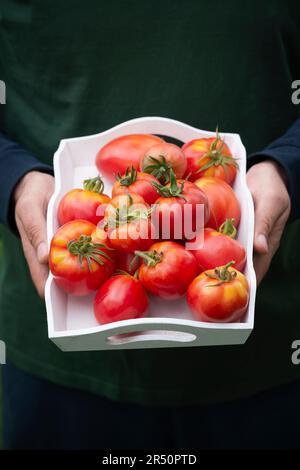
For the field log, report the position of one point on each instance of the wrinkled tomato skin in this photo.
(65, 267)
(122, 297)
(142, 187)
(226, 302)
(217, 250)
(222, 200)
(82, 204)
(123, 152)
(137, 235)
(192, 196)
(127, 262)
(195, 152)
(170, 278)
(173, 155)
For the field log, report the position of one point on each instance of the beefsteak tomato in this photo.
(80, 258)
(167, 269)
(219, 295)
(88, 203)
(210, 157)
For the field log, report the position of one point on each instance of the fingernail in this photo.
(261, 239)
(42, 252)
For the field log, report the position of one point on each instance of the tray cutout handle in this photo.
(150, 335)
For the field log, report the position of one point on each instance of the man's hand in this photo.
(32, 195)
(266, 181)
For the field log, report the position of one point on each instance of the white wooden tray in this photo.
(71, 322)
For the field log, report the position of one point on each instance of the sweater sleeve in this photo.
(15, 162)
(286, 152)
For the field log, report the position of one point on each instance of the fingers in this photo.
(38, 271)
(33, 222)
(262, 261)
(272, 207)
(266, 216)
(32, 196)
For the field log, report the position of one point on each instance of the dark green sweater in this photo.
(75, 68)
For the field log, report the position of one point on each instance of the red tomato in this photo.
(136, 183)
(217, 248)
(80, 258)
(219, 295)
(122, 297)
(131, 229)
(123, 152)
(167, 269)
(176, 212)
(88, 203)
(223, 202)
(158, 160)
(209, 157)
(127, 262)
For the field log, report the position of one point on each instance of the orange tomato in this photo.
(80, 258)
(209, 157)
(88, 203)
(219, 295)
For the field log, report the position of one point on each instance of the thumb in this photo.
(265, 218)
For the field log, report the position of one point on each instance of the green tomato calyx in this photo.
(84, 248)
(222, 274)
(228, 228)
(95, 185)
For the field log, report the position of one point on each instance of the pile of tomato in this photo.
(114, 246)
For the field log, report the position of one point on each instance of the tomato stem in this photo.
(95, 185)
(128, 178)
(127, 214)
(84, 248)
(151, 258)
(228, 228)
(159, 168)
(216, 156)
(174, 190)
(222, 274)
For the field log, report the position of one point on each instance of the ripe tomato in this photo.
(167, 269)
(218, 247)
(131, 229)
(158, 160)
(219, 295)
(134, 182)
(123, 152)
(121, 297)
(176, 212)
(80, 258)
(127, 262)
(88, 203)
(222, 200)
(210, 157)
